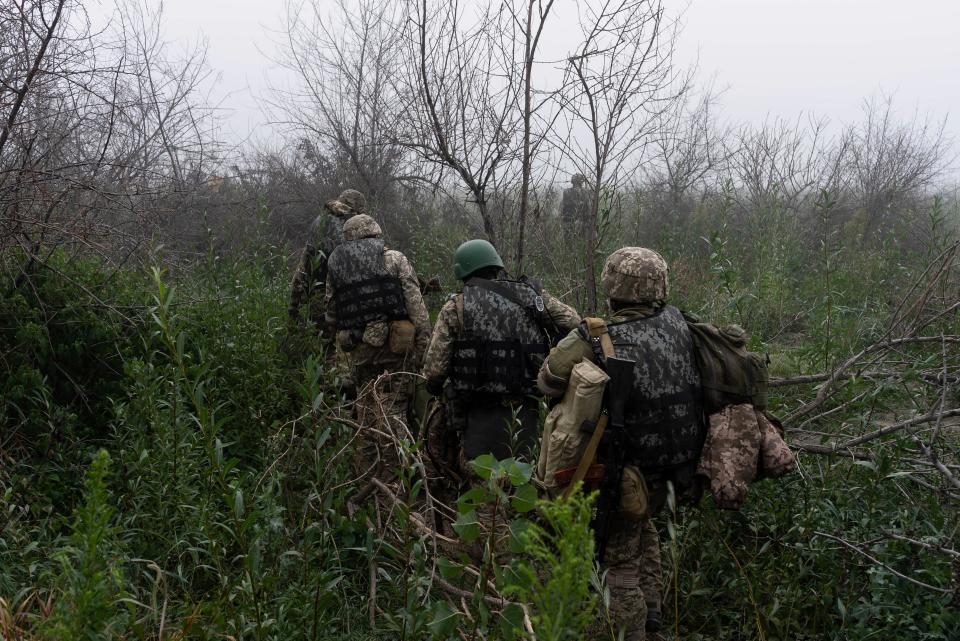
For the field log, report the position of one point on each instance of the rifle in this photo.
(613, 444)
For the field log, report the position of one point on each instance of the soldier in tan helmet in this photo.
(663, 419)
(382, 326)
(324, 235)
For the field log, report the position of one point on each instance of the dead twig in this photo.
(875, 561)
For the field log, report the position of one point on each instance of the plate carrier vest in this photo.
(502, 343)
(364, 291)
(664, 417)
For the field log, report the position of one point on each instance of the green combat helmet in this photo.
(354, 200)
(473, 255)
(361, 226)
(635, 275)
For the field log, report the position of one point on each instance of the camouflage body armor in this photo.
(664, 417)
(496, 358)
(365, 291)
(502, 344)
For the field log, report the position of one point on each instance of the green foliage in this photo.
(228, 513)
(89, 588)
(553, 573)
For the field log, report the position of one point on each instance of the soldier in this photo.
(311, 272)
(575, 206)
(373, 300)
(489, 341)
(664, 422)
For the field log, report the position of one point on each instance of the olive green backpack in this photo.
(729, 373)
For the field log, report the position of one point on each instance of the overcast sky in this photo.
(773, 57)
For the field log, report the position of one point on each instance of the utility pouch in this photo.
(634, 495)
(729, 373)
(564, 443)
(375, 333)
(346, 340)
(402, 333)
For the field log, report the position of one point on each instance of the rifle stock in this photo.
(617, 394)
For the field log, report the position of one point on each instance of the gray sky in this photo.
(773, 57)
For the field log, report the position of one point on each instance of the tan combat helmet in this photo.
(354, 200)
(635, 275)
(339, 208)
(361, 226)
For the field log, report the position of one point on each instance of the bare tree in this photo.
(464, 90)
(345, 106)
(622, 80)
(888, 161)
(530, 20)
(101, 131)
(783, 164)
(692, 149)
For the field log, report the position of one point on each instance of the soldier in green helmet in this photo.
(664, 420)
(487, 346)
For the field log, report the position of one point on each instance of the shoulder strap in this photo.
(497, 288)
(598, 335)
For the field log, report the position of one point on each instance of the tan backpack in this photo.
(567, 452)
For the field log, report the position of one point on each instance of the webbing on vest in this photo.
(363, 302)
(364, 291)
(664, 417)
(502, 343)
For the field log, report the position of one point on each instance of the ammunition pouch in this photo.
(402, 337)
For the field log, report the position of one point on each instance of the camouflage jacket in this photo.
(449, 327)
(310, 274)
(399, 267)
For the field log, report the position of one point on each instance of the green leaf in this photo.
(511, 621)
(519, 473)
(524, 499)
(467, 526)
(484, 465)
(448, 569)
(473, 497)
(516, 543)
(444, 620)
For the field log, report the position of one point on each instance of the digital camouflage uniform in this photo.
(632, 556)
(450, 326)
(482, 343)
(375, 286)
(324, 235)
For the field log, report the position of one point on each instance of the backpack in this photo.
(729, 373)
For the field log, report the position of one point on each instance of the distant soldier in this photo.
(325, 234)
(489, 342)
(664, 425)
(373, 301)
(575, 206)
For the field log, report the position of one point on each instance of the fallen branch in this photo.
(876, 561)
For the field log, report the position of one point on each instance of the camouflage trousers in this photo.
(632, 565)
(383, 394)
